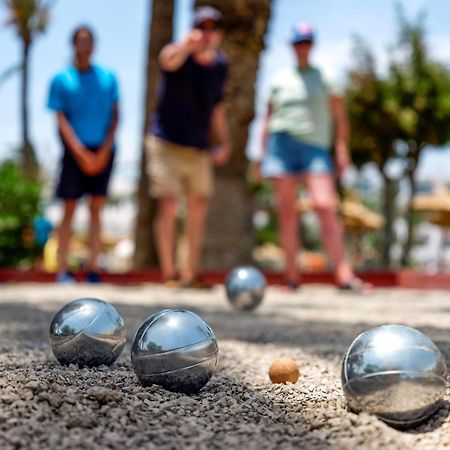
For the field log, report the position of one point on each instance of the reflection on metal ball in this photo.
(88, 332)
(395, 372)
(175, 349)
(245, 288)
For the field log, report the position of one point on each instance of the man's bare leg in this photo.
(164, 229)
(197, 207)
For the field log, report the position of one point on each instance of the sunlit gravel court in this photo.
(44, 405)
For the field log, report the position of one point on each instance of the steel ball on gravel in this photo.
(395, 372)
(175, 349)
(88, 332)
(245, 288)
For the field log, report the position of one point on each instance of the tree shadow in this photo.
(325, 339)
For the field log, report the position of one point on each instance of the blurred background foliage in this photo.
(20, 205)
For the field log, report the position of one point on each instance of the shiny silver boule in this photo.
(88, 332)
(175, 349)
(245, 288)
(395, 372)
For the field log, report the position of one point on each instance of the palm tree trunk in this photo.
(410, 223)
(229, 236)
(388, 211)
(29, 162)
(24, 109)
(160, 33)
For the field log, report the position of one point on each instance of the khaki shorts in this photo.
(175, 169)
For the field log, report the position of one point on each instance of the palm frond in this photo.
(8, 73)
(29, 17)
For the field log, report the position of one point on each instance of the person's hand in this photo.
(254, 172)
(86, 160)
(193, 41)
(93, 163)
(342, 158)
(102, 159)
(221, 155)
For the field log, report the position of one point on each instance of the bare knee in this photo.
(95, 206)
(326, 209)
(197, 201)
(69, 209)
(286, 209)
(167, 208)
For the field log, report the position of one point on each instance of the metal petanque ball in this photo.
(245, 288)
(88, 332)
(175, 349)
(396, 373)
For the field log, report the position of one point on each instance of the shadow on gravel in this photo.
(251, 415)
(25, 322)
(27, 325)
(438, 418)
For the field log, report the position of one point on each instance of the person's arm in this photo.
(174, 55)
(84, 158)
(104, 153)
(265, 132)
(221, 129)
(255, 172)
(56, 102)
(342, 131)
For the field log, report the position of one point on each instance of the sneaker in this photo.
(65, 277)
(93, 277)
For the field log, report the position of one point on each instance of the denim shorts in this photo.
(287, 155)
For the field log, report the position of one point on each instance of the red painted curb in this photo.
(380, 279)
(404, 278)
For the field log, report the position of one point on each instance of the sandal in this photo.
(289, 286)
(170, 283)
(356, 286)
(196, 283)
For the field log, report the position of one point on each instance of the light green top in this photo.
(300, 100)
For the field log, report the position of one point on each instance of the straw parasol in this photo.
(357, 219)
(437, 202)
(437, 207)
(356, 216)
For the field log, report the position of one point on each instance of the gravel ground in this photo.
(46, 406)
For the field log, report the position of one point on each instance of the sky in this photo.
(121, 28)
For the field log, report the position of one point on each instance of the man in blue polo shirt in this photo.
(180, 162)
(84, 97)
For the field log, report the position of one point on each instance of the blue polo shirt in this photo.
(186, 100)
(87, 99)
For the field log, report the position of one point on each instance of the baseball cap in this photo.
(302, 31)
(204, 13)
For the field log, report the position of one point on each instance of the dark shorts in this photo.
(287, 155)
(74, 183)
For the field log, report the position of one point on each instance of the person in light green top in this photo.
(300, 106)
(306, 118)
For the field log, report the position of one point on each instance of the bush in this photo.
(19, 205)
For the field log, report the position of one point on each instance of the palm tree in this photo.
(229, 237)
(160, 33)
(30, 18)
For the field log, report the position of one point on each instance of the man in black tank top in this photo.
(180, 162)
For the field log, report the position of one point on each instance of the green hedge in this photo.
(19, 205)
